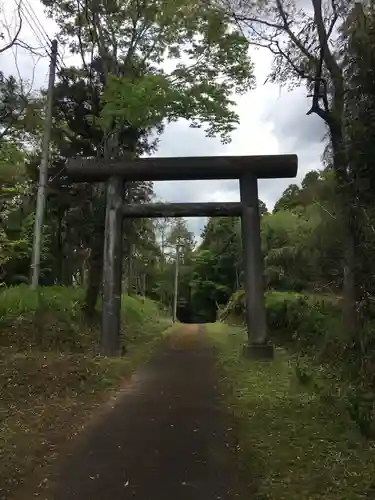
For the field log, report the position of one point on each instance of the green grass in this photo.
(50, 378)
(293, 444)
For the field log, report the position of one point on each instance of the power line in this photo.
(31, 16)
(41, 27)
(42, 30)
(42, 43)
(38, 29)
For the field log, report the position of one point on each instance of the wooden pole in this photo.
(175, 295)
(112, 269)
(43, 173)
(253, 270)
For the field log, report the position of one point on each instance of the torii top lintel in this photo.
(183, 168)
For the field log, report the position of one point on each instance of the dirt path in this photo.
(166, 437)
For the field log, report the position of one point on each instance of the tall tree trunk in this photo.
(95, 259)
(95, 275)
(350, 288)
(67, 271)
(144, 284)
(348, 220)
(130, 270)
(59, 247)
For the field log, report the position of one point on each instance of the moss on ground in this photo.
(293, 443)
(50, 378)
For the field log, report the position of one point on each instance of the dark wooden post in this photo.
(112, 269)
(253, 270)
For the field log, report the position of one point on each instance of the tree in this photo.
(306, 50)
(289, 199)
(20, 112)
(134, 40)
(262, 208)
(76, 133)
(358, 35)
(19, 129)
(180, 235)
(310, 179)
(124, 47)
(182, 244)
(217, 266)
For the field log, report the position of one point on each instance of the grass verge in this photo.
(50, 379)
(293, 444)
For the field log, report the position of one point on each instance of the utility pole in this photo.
(175, 296)
(43, 172)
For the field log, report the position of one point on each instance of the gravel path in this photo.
(166, 438)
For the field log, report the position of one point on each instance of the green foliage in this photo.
(312, 326)
(20, 113)
(134, 43)
(142, 66)
(217, 264)
(301, 244)
(51, 319)
(301, 319)
(358, 39)
(289, 199)
(301, 241)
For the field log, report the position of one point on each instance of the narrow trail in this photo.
(167, 437)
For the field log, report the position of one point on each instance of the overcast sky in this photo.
(272, 121)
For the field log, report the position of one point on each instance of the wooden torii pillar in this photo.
(248, 169)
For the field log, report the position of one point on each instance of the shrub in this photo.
(310, 320)
(47, 318)
(304, 318)
(52, 318)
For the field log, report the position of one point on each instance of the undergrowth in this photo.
(311, 328)
(295, 442)
(50, 376)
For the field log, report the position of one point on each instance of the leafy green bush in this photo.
(301, 317)
(306, 319)
(48, 318)
(19, 300)
(52, 319)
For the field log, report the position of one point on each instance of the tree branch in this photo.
(18, 31)
(286, 27)
(328, 58)
(334, 18)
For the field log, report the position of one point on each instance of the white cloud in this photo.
(271, 121)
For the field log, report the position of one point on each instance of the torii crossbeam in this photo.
(248, 169)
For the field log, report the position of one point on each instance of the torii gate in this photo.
(248, 169)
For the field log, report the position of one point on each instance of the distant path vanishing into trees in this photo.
(166, 438)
